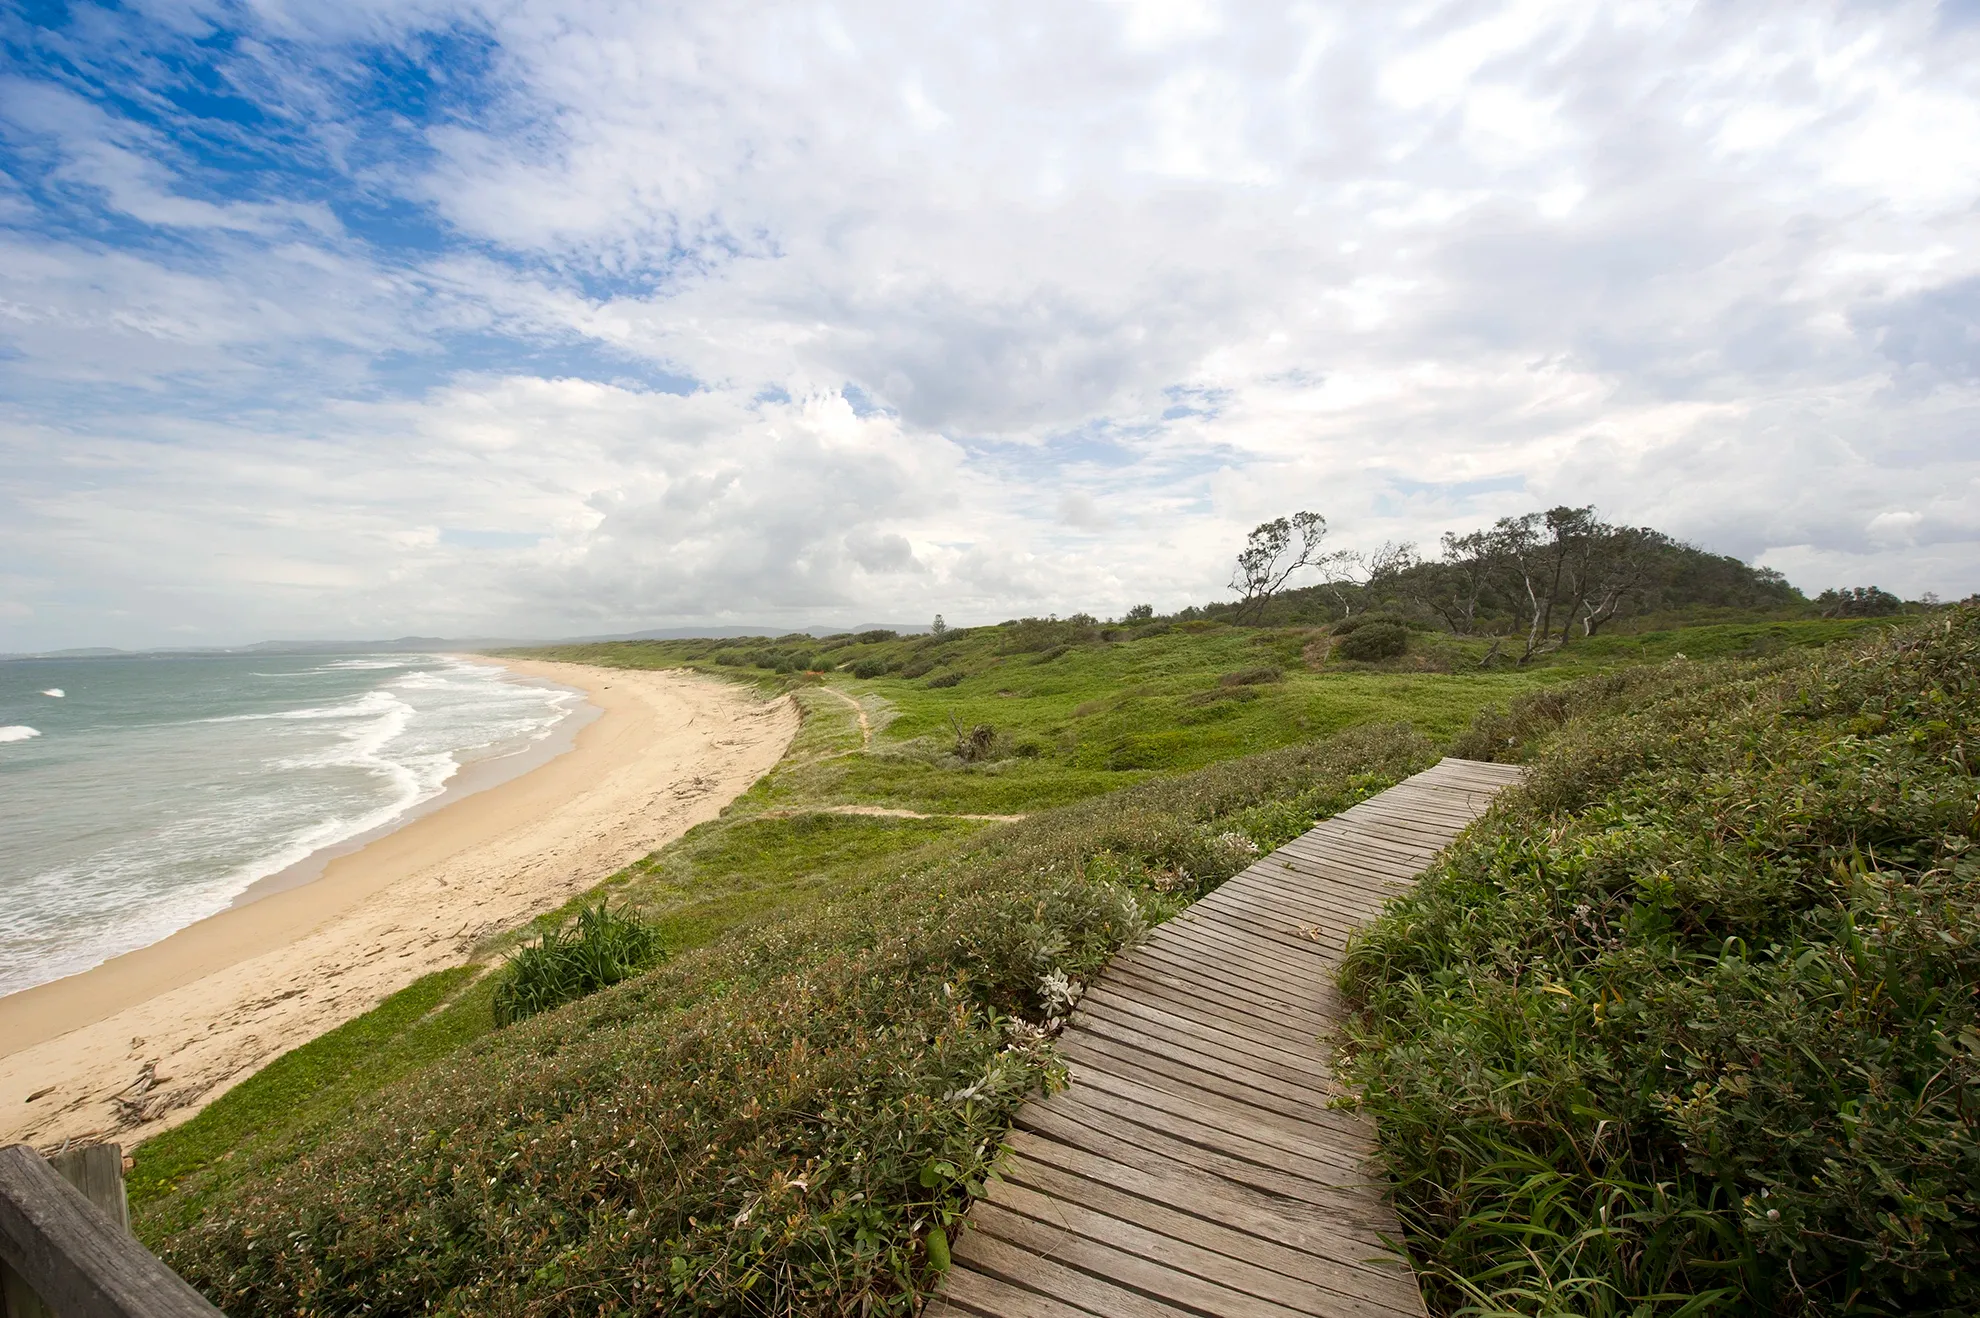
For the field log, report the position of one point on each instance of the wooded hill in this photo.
(1540, 580)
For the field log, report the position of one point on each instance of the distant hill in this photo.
(428, 644)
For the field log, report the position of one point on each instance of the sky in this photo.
(553, 317)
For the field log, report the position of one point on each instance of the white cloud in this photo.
(1715, 270)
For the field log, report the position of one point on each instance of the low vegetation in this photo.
(1690, 1025)
(767, 1078)
(783, 1121)
(598, 949)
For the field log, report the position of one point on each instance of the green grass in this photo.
(786, 1120)
(1079, 718)
(598, 948)
(295, 1099)
(1693, 1025)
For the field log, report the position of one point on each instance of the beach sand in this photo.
(140, 1043)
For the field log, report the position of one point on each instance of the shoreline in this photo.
(182, 1019)
(472, 777)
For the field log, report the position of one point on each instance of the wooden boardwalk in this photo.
(1193, 1166)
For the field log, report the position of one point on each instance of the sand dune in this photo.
(143, 1041)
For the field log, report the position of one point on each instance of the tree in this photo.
(1858, 602)
(1610, 564)
(1366, 573)
(1272, 553)
(1457, 584)
(939, 627)
(1139, 613)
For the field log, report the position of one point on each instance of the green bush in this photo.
(870, 668)
(1372, 640)
(1259, 676)
(1691, 1025)
(786, 1122)
(596, 950)
(948, 679)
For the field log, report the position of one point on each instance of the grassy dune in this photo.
(1690, 1025)
(781, 848)
(784, 1117)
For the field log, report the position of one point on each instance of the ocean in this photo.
(138, 795)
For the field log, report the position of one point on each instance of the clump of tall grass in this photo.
(596, 950)
(1692, 1025)
(787, 1121)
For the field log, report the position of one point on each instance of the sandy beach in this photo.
(141, 1042)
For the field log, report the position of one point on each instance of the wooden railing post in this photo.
(97, 1171)
(66, 1250)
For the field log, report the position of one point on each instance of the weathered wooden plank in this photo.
(1305, 962)
(1287, 880)
(1147, 975)
(1347, 1147)
(1317, 1165)
(1226, 1024)
(1328, 867)
(1099, 1133)
(1116, 1261)
(1027, 1268)
(1157, 1068)
(1324, 931)
(80, 1262)
(966, 1291)
(1288, 958)
(1296, 1031)
(1213, 1114)
(1216, 1000)
(1346, 1231)
(1375, 870)
(1192, 1163)
(1146, 1018)
(1411, 826)
(1133, 1034)
(1369, 842)
(1352, 1289)
(1194, 962)
(1293, 960)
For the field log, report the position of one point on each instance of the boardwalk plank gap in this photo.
(1192, 1165)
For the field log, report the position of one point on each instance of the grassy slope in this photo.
(777, 849)
(1093, 719)
(1126, 705)
(1689, 1027)
(783, 1121)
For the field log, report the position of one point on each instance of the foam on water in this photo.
(171, 787)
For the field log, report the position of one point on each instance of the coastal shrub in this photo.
(788, 1121)
(1372, 641)
(1692, 1025)
(1256, 676)
(974, 744)
(870, 668)
(596, 950)
(1030, 635)
(948, 679)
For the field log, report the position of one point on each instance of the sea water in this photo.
(138, 795)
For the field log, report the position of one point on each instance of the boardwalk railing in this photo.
(62, 1254)
(1193, 1165)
